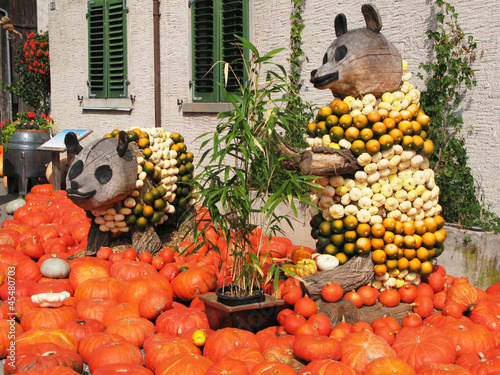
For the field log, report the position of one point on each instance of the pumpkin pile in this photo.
(166, 166)
(389, 208)
(132, 313)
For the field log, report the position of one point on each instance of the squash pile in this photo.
(389, 208)
(164, 162)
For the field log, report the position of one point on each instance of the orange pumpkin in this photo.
(298, 254)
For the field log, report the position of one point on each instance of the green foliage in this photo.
(238, 184)
(300, 112)
(33, 68)
(450, 75)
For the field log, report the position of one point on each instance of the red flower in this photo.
(31, 115)
(43, 115)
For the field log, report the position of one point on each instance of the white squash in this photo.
(55, 268)
(326, 262)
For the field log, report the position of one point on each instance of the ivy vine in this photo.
(298, 110)
(450, 75)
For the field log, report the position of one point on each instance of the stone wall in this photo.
(404, 24)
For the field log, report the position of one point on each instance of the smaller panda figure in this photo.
(102, 173)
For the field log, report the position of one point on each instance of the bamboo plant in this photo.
(240, 162)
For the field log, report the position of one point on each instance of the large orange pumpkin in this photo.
(469, 338)
(102, 287)
(133, 329)
(251, 357)
(173, 346)
(420, 345)
(122, 368)
(114, 352)
(7, 329)
(359, 348)
(133, 290)
(442, 368)
(182, 364)
(42, 355)
(224, 340)
(385, 365)
(56, 336)
(95, 308)
(283, 354)
(310, 347)
(87, 344)
(193, 282)
(178, 320)
(80, 328)
(272, 336)
(464, 294)
(48, 317)
(326, 367)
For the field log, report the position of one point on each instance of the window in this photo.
(215, 24)
(107, 49)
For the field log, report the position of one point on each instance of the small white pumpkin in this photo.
(326, 262)
(55, 268)
(12, 206)
(50, 299)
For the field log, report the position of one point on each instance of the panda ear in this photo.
(72, 144)
(340, 24)
(372, 17)
(122, 143)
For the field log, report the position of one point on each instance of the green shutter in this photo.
(214, 25)
(96, 48)
(107, 49)
(117, 84)
(232, 24)
(204, 74)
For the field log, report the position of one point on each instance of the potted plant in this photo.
(238, 182)
(19, 140)
(25, 122)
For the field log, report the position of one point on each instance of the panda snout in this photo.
(313, 73)
(74, 185)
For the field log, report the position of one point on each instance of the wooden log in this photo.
(145, 239)
(345, 309)
(318, 161)
(355, 273)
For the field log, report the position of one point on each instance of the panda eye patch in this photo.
(75, 170)
(103, 174)
(325, 58)
(340, 53)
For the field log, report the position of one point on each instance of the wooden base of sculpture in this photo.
(357, 272)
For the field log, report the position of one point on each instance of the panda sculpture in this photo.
(130, 180)
(102, 173)
(360, 61)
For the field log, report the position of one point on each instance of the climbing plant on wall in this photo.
(300, 111)
(450, 75)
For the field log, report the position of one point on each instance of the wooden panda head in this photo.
(360, 61)
(102, 173)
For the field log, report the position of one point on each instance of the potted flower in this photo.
(20, 140)
(238, 183)
(25, 122)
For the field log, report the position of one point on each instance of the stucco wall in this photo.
(404, 24)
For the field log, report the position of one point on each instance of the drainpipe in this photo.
(9, 71)
(156, 27)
